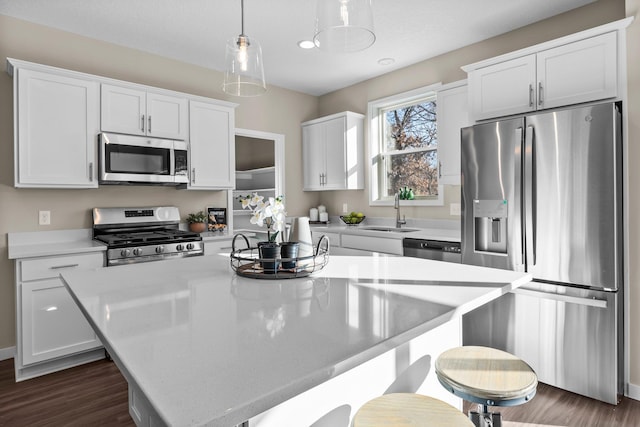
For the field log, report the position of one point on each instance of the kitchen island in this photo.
(199, 345)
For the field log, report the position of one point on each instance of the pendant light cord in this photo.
(242, 18)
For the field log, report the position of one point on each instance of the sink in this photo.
(394, 229)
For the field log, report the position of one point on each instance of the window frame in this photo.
(375, 119)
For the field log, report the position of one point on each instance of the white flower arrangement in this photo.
(271, 213)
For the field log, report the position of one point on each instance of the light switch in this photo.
(455, 209)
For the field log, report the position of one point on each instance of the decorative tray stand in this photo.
(247, 262)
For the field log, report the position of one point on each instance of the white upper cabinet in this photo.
(211, 146)
(333, 152)
(571, 73)
(137, 112)
(578, 72)
(452, 115)
(503, 89)
(56, 123)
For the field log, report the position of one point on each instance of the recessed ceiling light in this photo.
(306, 44)
(386, 61)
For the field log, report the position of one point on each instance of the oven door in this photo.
(132, 159)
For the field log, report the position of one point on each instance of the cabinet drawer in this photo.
(334, 238)
(50, 267)
(221, 246)
(373, 244)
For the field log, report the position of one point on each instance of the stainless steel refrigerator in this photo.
(542, 193)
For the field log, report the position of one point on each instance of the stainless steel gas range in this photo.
(135, 235)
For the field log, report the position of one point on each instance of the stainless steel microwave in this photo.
(127, 159)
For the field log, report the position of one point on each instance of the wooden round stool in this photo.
(488, 377)
(409, 409)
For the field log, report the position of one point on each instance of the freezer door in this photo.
(491, 194)
(572, 196)
(571, 337)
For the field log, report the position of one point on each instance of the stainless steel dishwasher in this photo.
(438, 250)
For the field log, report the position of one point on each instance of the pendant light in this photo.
(244, 74)
(344, 26)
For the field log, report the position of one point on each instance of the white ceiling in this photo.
(195, 31)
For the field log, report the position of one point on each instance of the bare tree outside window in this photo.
(410, 156)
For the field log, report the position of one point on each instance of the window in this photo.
(404, 148)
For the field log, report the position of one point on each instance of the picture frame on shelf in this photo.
(216, 218)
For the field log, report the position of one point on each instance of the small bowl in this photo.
(352, 220)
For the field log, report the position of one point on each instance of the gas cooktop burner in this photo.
(143, 234)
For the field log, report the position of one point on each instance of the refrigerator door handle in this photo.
(530, 196)
(519, 249)
(590, 302)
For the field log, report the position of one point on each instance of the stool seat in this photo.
(486, 375)
(409, 409)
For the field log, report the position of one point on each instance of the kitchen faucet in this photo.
(396, 206)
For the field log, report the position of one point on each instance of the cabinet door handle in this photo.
(440, 170)
(149, 127)
(91, 172)
(530, 95)
(193, 175)
(142, 124)
(320, 179)
(540, 100)
(58, 267)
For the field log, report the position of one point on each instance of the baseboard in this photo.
(7, 353)
(633, 391)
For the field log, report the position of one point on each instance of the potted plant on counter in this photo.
(197, 222)
(272, 214)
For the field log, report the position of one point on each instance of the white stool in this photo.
(488, 377)
(409, 409)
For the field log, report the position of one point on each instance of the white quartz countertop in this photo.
(52, 243)
(364, 229)
(65, 242)
(208, 347)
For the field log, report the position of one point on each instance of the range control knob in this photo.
(179, 247)
(137, 252)
(125, 252)
(190, 246)
(159, 249)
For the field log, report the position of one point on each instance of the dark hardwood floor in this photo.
(96, 395)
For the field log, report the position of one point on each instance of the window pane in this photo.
(412, 126)
(418, 171)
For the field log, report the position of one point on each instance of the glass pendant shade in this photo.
(244, 72)
(344, 25)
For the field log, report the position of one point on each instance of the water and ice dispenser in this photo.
(490, 226)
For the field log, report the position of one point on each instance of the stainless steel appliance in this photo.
(542, 193)
(431, 249)
(126, 159)
(143, 234)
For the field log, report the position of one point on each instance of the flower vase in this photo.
(289, 253)
(269, 253)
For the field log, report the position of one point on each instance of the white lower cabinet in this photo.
(52, 332)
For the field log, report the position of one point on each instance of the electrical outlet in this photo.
(455, 209)
(345, 208)
(44, 217)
